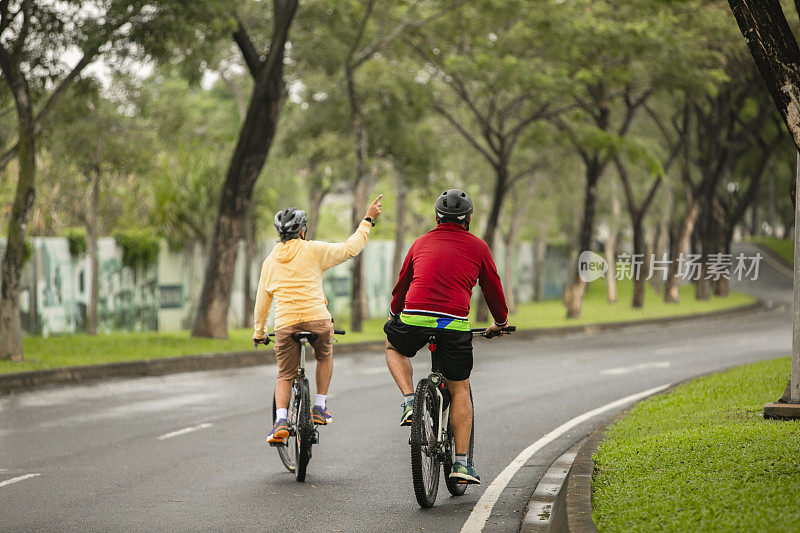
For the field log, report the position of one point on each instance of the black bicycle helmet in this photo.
(453, 206)
(290, 222)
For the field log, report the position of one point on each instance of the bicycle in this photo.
(295, 451)
(431, 440)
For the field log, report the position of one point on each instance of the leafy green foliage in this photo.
(140, 247)
(76, 240)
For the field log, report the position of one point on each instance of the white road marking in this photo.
(633, 368)
(17, 479)
(483, 509)
(184, 431)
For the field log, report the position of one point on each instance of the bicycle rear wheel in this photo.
(424, 454)
(305, 431)
(456, 487)
(289, 451)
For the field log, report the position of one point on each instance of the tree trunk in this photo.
(510, 239)
(399, 227)
(91, 247)
(539, 268)
(720, 284)
(10, 322)
(359, 199)
(611, 244)
(255, 139)
(638, 251)
(316, 196)
(573, 294)
(774, 49)
(680, 246)
(662, 237)
(249, 255)
(611, 259)
(701, 291)
(490, 231)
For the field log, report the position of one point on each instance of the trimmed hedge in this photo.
(140, 247)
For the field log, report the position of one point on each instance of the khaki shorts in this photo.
(287, 350)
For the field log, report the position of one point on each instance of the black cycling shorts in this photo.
(453, 355)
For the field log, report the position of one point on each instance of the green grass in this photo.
(75, 350)
(703, 458)
(783, 247)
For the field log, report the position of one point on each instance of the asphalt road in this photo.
(108, 458)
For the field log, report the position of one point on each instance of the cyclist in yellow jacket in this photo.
(292, 277)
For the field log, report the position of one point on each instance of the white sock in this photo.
(281, 413)
(321, 398)
(461, 458)
(408, 397)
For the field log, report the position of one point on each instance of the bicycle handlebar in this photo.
(265, 340)
(505, 331)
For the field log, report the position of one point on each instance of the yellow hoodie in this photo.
(292, 275)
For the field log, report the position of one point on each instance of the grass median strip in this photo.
(783, 247)
(702, 458)
(80, 349)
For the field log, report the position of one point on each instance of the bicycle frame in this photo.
(444, 412)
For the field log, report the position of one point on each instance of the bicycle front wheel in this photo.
(305, 431)
(424, 448)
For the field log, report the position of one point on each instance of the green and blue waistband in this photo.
(433, 321)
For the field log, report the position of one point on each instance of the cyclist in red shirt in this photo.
(432, 295)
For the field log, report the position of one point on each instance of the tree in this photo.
(625, 52)
(493, 75)
(350, 49)
(776, 54)
(100, 144)
(33, 38)
(638, 211)
(247, 161)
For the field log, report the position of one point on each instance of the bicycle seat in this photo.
(304, 335)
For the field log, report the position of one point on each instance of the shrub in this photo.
(140, 247)
(76, 239)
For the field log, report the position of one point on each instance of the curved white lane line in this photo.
(17, 479)
(483, 509)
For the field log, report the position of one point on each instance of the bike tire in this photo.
(288, 453)
(305, 431)
(456, 488)
(423, 423)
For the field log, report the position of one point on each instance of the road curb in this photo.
(774, 255)
(20, 381)
(546, 509)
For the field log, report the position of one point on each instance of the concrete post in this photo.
(781, 409)
(795, 379)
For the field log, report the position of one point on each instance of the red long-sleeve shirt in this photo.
(440, 270)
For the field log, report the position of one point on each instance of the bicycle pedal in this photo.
(277, 444)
